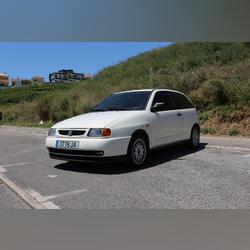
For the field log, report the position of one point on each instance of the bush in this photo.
(210, 131)
(9, 117)
(210, 94)
(204, 116)
(59, 115)
(219, 95)
(233, 132)
(43, 108)
(232, 113)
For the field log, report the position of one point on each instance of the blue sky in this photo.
(25, 60)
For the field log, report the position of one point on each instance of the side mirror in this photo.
(157, 106)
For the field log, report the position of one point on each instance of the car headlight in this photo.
(99, 132)
(52, 132)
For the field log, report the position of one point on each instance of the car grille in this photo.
(71, 132)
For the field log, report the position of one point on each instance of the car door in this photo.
(165, 122)
(187, 112)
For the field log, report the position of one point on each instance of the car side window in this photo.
(181, 101)
(165, 98)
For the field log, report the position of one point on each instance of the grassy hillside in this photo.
(216, 76)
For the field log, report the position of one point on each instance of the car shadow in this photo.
(157, 157)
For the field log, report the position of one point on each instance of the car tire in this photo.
(138, 151)
(194, 141)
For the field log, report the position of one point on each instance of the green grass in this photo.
(29, 93)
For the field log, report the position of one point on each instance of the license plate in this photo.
(67, 144)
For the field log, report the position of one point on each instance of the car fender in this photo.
(128, 125)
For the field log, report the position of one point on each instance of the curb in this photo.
(27, 198)
(229, 148)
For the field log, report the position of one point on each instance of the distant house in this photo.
(4, 80)
(67, 76)
(88, 76)
(37, 79)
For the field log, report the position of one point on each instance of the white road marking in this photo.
(45, 200)
(50, 197)
(16, 164)
(52, 176)
(3, 167)
(50, 205)
(38, 197)
(246, 156)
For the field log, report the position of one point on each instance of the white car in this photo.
(127, 124)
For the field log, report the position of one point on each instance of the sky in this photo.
(26, 60)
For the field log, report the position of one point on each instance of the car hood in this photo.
(96, 119)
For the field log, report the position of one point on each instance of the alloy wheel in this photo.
(139, 151)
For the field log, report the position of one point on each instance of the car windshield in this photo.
(124, 101)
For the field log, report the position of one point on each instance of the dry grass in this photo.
(224, 128)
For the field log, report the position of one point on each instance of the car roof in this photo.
(150, 90)
(135, 90)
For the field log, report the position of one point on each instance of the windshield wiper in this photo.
(110, 109)
(118, 109)
(98, 110)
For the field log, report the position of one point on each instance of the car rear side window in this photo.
(166, 98)
(181, 101)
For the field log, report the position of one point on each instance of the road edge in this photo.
(44, 130)
(26, 197)
(240, 149)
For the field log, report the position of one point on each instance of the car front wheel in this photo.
(194, 140)
(138, 151)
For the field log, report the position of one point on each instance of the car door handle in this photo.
(179, 114)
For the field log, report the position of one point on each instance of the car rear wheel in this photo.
(138, 151)
(194, 140)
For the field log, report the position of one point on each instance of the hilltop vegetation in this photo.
(216, 76)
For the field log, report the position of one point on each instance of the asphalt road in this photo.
(217, 175)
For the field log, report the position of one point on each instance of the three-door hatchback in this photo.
(126, 125)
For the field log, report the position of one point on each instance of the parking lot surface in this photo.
(217, 175)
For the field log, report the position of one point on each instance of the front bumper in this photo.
(90, 149)
(68, 156)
